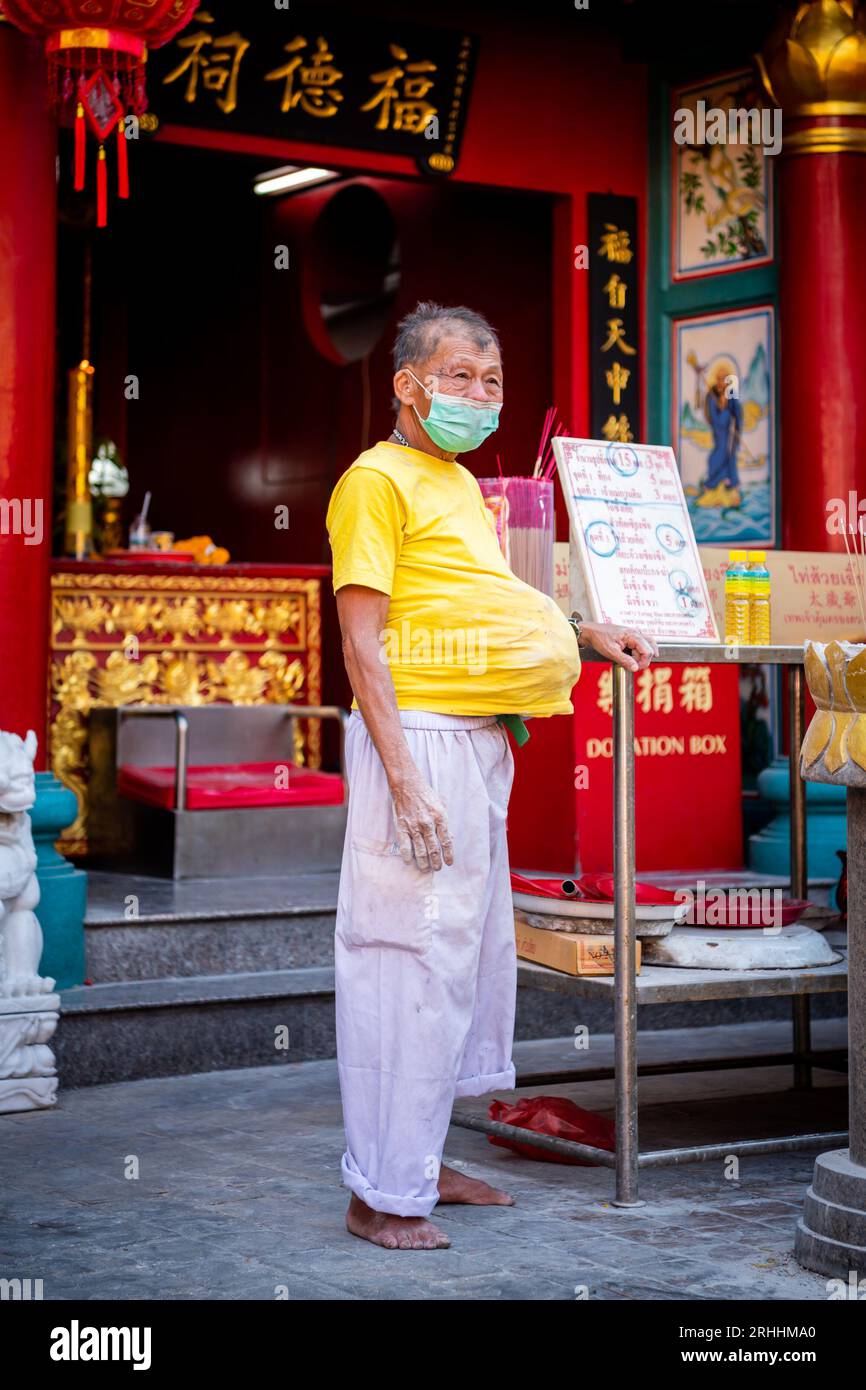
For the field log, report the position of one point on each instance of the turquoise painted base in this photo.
(63, 888)
(770, 850)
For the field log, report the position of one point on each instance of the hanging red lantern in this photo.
(97, 51)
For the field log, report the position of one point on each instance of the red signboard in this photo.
(687, 767)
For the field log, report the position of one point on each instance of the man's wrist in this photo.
(579, 626)
(401, 776)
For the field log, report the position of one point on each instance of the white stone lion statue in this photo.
(20, 932)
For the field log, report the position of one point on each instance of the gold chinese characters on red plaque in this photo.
(400, 87)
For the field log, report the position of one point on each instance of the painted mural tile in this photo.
(721, 214)
(724, 425)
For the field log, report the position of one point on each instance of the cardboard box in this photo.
(567, 951)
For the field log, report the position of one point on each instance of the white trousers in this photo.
(426, 971)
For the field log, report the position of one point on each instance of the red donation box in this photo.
(687, 768)
(687, 775)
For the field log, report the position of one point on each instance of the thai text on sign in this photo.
(634, 540)
(812, 594)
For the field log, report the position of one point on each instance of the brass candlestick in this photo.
(79, 511)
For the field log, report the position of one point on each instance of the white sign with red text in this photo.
(634, 549)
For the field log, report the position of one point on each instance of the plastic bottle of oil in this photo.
(737, 612)
(759, 599)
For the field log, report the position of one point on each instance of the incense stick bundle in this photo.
(549, 418)
(524, 513)
(857, 562)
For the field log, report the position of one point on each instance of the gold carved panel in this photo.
(119, 639)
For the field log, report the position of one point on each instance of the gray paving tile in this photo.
(240, 1193)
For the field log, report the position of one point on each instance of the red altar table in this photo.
(156, 632)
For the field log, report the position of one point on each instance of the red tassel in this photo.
(80, 136)
(101, 189)
(122, 163)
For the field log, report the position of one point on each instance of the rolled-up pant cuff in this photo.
(480, 1085)
(385, 1201)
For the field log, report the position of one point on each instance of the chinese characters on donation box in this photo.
(687, 767)
(633, 539)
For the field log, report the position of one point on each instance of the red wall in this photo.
(27, 259)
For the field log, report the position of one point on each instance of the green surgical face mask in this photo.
(455, 424)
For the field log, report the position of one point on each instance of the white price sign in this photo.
(633, 539)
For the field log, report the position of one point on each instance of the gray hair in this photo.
(418, 334)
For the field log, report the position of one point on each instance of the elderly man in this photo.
(439, 638)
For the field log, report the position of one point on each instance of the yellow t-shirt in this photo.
(463, 634)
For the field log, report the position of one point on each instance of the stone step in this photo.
(118, 952)
(179, 1026)
(217, 975)
(141, 928)
(123, 1031)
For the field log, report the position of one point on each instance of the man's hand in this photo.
(422, 829)
(623, 645)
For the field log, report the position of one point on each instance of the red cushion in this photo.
(219, 787)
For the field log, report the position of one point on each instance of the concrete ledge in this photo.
(216, 946)
(176, 1027)
(199, 989)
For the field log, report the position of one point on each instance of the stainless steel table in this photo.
(657, 984)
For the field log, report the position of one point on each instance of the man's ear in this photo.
(404, 387)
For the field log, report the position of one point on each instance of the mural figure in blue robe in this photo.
(724, 416)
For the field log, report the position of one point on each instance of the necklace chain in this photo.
(401, 438)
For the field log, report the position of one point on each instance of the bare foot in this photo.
(393, 1232)
(457, 1187)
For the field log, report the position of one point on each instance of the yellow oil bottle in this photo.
(737, 611)
(759, 599)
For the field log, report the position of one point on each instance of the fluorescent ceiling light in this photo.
(290, 176)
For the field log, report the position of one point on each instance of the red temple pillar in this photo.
(814, 71)
(28, 230)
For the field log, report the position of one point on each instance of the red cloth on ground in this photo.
(557, 1116)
